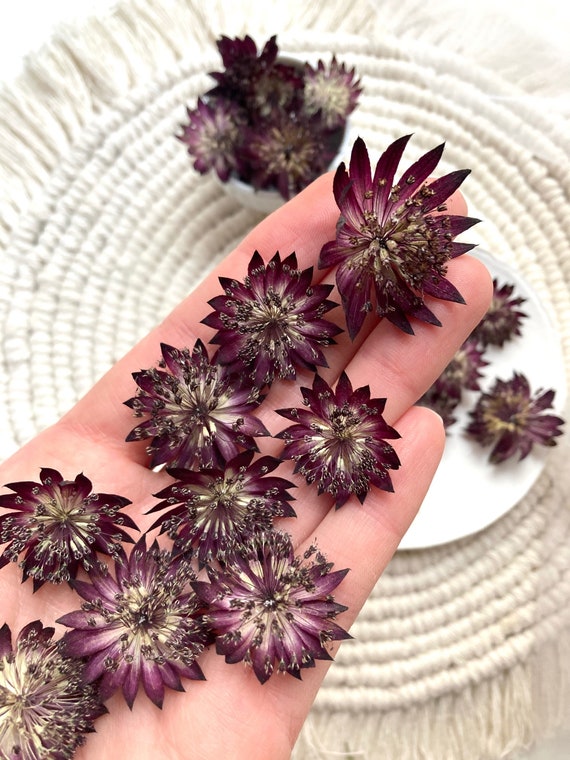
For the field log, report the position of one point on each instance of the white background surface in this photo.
(26, 24)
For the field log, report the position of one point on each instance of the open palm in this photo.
(231, 715)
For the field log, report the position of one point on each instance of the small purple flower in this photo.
(511, 419)
(389, 241)
(463, 371)
(61, 526)
(287, 154)
(198, 414)
(243, 67)
(339, 443)
(272, 322)
(443, 398)
(215, 509)
(503, 318)
(46, 706)
(140, 627)
(271, 609)
(331, 92)
(213, 136)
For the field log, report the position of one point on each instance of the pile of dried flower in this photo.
(272, 122)
(146, 615)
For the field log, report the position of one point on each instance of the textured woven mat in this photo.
(462, 650)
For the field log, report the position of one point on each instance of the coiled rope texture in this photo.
(460, 651)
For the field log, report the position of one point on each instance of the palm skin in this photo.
(230, 715)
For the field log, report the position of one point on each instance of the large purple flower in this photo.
(273, 321)
(198, 414)
(215, 509)
(511, 419)
(46, 706)
(503, 319)
(139, 627)
(338, 442)
(389, 241)
(271, 609)
(60, 525)
(213, 136)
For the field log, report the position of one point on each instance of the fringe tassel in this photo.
(492, 719)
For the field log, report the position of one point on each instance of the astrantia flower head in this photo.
(503, 318)
(273, 321)
(139, 627)
(512, 419)
(339, 441)
(331, 92)
(390, 245)
(463, 371)
(46, 706)
(272, 610)
(197, 412)
(443, 398)
(215, 509)
(287, 154)
(243, 67)
(213, 135)
(60, 526)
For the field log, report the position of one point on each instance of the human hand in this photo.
(231, 714)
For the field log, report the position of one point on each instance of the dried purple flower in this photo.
(273, 321)
(243, 67)
(287, 154)
(140, 627)
(511, 418)
(331, 92)
(339, 441)
(217, 508)
(45, 705)
(213, 136)
(60, 525)
(271, 609)
(463, 371)
(443, 398)
(389, 240)
(503, 318)
(197, 412)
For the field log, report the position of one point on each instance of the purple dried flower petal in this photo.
(388, 243)
(60, 526)
(215, 509)
(271, 609)
(272, 322)
(141, 626)
(339, 441)
(199, 414)
(510, 418)
(46, 705)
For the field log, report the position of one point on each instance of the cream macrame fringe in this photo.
(503, 691)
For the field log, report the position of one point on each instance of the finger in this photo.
(364, 538)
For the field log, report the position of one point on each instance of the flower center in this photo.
(506, 413)
(407, 243)
(140, 611)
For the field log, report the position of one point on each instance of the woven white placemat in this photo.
(462, 652)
